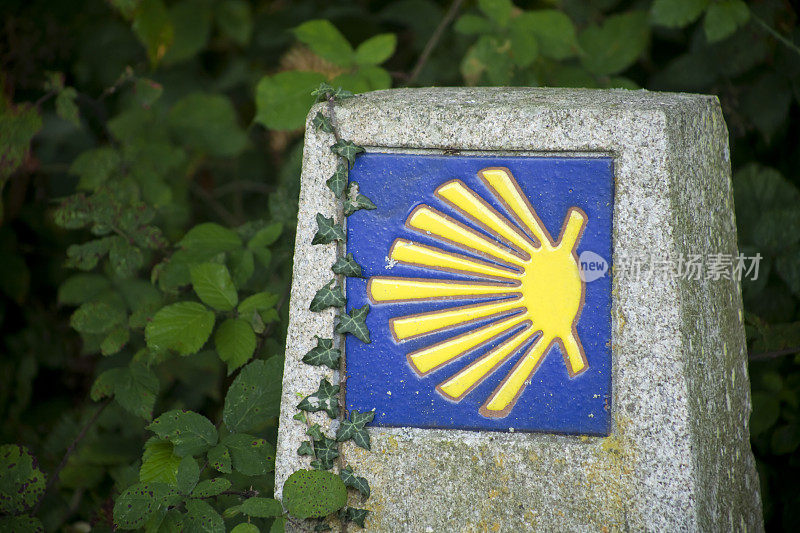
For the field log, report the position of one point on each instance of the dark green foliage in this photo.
(326, 398)
(328, 296)
(355, 323)
(352, 480)
(357, 516)
(347, 266)
(354, 429)
(338, 181)
(327, 231)
(354, 200)
(313, 493)
(322, 123)
(323, 354)
(347, 150)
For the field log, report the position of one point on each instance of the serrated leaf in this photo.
(376, 50)
(254, 396)
(261, 507)
(66, 108)
(323, 354)
(183, 327)
(81, 288)
(202, 518)
(245, 527)
(614, 46)
(326, 398)
(94, 167)
(331, 295)
(723, 18)
(208, 123)
(282, 100)
(211, 487)
(355, 324)
(553, 30)
(497, 10)
(250, 455)
(219, 457)
(153, 27)
(261, 301)
(134, 388)
(354, 200)
(322, 123)
(348, 150)
(116, 339)
(347, 266)
(327, 231)
(188, 474)
(191, 20)
(235, 20)
(313, 493)
(357, 516)
(137, 503)
(235, 342)
(326, 41)
(125, 258)
(470, 24)
(22, 484)
(265, 236)
(86, 256)
(96, 317)
(21, 524)
(213, 284)
(189, 432)
(350, 479)
(241, 265)
(677, 13)
(210, 239)
(338, 181)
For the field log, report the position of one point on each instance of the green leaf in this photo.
(497, 10)
(350, 479)
(115, 340)
(322, 123)
(325, 452)
(137, 503)
(250, 455)
(219, 457)
(328, 296)
(244, 527)
(183, 327)
(21, 482)
(21, 524)
(260, 301)
(326, 41)
(210, 239)
(355, 324)
(125, 258)
(347, 266)
(213, 284)
(235, 342)
(759, 190)
(211, 487)
(326, 398)
(326, 91)
(191, 23)
(95, 167)
(153, 27)
(208, 123)
(338, 181)
(159, 463)
(18, 125)
(354, 429)
(85, 256)
(235, 20)
(265, 236)
(677, 13)
(261, 507)
(354, 200)
(282, 100)
(134, 387)
(96, 317)
(147, 91)
(189, 432)
(188, 474)
(327, 231)
(347, 149)
(376, 50)
(254, 396)
(313, 494)
(81, 288)
(306, 448)
(723, 18)
(472, 25)
(241, 264)
(768, 408)
(323, 354)
(524, 45)
(766, 103)
(357, 516)
(615, 46)
(202, 518)
(554, 32)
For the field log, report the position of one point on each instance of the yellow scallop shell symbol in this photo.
(532, 283)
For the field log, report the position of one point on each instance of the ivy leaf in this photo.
(327, 231)
(188, 474)
(350, 479)
(134, 388)
(235, 342)
(325, 452)
(183, 327)
(326, 398)
(190, 432)
(338, 181)
(219, 457)
(21, 482)
(354, 429)
(201, 517)
(677, 13)
(159, 463)
(261, 507)
(357, 516)
(254, 396)
(211, 487)
(315, 432)
(306, 448)
(355, 324)
(326, 91)
(347, 150)
(323, 354)
(355, 200)
(321, 122)
(328, 296)
(326, 41)
(347, 266)
(213, 284)
(361, 419)
(250, 455)
(313, 494)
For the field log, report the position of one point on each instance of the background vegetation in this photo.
(149, 164)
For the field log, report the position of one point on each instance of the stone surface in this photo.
(678, 456)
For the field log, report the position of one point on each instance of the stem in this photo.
(769, 29)
(764, 356)
(434, 40)
(68, 453)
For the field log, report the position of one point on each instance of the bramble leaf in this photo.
(313, 493)
(159, 463)
(326, 41)
(254, 396)
(183, 327)
(261, 507)
(138, 502)
(219, 457)
(21, 482)
(190, 432)
(211, 487)
(328, 296)
(188, 474)
(326, 398)
(355, 324)
(209, 239)
(323, 354)
(677, 13)
(213, 284)
(614, 46)
(235, 342)
(282, 100)
(327, 231)
(201, 517)
(376, 50)
(250, 455)
(134, 388)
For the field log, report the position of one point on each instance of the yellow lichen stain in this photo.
(495, 527)
(494, 493)
(533, 457)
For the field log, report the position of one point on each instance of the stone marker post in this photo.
(555, 313)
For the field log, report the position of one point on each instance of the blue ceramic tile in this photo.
(469, 245)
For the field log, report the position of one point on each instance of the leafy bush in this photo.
(149, 172)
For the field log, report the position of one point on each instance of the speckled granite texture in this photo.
(679, 457)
